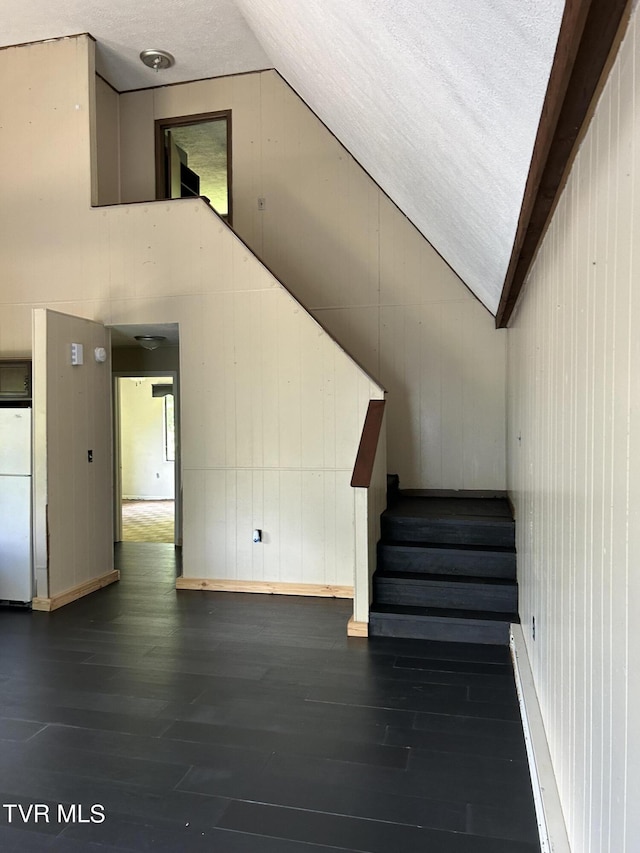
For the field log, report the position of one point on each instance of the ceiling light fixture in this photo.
(150, 341)
(157, 59)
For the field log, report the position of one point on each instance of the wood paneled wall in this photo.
(272, 408)
(355, 261)
(574, 472)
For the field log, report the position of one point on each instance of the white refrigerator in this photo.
(16, 572)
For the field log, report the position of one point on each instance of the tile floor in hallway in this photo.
(251, 724)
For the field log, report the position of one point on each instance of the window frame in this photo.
(162, 124)
(169, 454)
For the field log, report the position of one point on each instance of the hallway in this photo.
(229, 723)
(148, 521)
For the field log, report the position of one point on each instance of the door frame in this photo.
(162, 124)
(117, 450)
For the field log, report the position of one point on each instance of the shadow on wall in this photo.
(384, 294)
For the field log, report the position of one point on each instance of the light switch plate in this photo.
(77, 354)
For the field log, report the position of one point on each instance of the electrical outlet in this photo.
(262, 203)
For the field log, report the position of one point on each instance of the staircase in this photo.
(446, 569)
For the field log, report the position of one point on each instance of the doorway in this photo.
(147, 494)
(193, 158)
(147, 458)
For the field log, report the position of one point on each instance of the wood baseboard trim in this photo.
(357, 629)
(79, 591)
(266, 587)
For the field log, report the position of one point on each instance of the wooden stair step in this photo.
(433, 558)
(419, 589)
(449, 530)
(425, 507)
(446, 569)
(443, 624)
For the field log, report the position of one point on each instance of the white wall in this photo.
(271, 408)
(360, 267)
(146, 474)
(574, 472)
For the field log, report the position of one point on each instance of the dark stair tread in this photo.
(449, 531)
(442, 546)
(431, 562)
(443, 613)
(442, 579)
(447, 520)
(455, 509)
(456, 494)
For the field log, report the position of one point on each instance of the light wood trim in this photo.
(588, 33)
(357, 629)
(266, 587)
(363, 467)
(75, 592)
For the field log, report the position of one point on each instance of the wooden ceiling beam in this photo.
(587, 35)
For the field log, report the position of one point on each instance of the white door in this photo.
(73, 522)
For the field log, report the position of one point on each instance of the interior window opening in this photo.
(194, 159)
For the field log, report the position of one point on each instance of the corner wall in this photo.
(574, 472)
(355, 261)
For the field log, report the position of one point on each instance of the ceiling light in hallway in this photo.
(150, 341)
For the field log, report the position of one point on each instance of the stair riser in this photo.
(453, 596)
(446, 630)
(448, 533)
(395, 558)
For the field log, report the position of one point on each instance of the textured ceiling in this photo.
(207, 37)
(439, 101)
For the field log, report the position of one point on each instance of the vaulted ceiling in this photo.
(438, 100)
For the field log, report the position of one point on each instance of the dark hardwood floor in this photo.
(223, 722)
